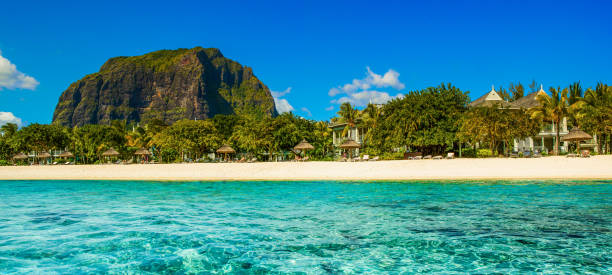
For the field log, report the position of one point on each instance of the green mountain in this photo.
(168, 85)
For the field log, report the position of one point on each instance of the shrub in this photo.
(483, 153)
(468, 153)
(4, 162)
(392, 155)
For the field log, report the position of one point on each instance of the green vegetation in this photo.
(432, 121)
(167, 85)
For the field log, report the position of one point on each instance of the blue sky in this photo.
(304, 49)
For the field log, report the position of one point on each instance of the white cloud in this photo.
(8, 117)
(329, 108)
(305, 110)
(11, 78)
(389, 79)
(372, 79)
(364, 97)
(282, 105)
(282, 93)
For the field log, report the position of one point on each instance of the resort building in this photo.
(544, 141)
(353, 133)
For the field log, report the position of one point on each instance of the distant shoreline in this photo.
(547, 168)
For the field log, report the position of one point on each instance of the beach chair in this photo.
(571, 155)
(514, 154)
(450, 155)
(355, 159)
(417, 157)
(427, 157)
(242, 160)
(437, 157)
(585, 154)
(252, 160)
(527, 154)
(365, 158)
(374, 158)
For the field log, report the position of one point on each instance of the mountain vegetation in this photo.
(166, 85)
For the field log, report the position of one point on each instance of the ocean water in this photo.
(126, 227)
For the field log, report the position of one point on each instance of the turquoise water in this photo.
(304, 227)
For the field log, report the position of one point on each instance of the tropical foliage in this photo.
(434, 120)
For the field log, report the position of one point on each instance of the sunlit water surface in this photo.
(305, 227)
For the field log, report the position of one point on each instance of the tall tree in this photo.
(517, 91)
(594, 113)
(553, 108)
(348, 115)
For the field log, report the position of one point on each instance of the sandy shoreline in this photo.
(597, 167)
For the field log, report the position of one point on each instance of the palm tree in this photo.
(553, 108)
(595, 111)
(348, 115)
(371, 115)
(8, 129)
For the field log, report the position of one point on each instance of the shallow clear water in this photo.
(307, 227)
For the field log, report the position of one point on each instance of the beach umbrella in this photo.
(577, 136)
(226, 149)
(43, 155)
(143, 152)
(20, 156)
(110, 153)
(350, 144)
(303, 146)
(66, 154)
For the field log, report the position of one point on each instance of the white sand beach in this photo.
(596, 167)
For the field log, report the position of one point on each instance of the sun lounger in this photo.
(417, 157)
(252, 160)
(437, 157)
(427, 157)
(571, 155)
(450, 155)
(514, 154)
(374, 158)
(537, 154)
(527, 154)
(365, 158)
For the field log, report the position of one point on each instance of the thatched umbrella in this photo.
(143, 152)
(350, 144)
(20, 156)
(576, 135)
(66, 154)
(43, 155)
(110, 153)
(303, 146)
(226, 149)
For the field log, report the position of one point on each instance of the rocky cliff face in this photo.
(168, 85)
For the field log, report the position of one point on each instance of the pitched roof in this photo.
(491, 99)
(529, 101)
